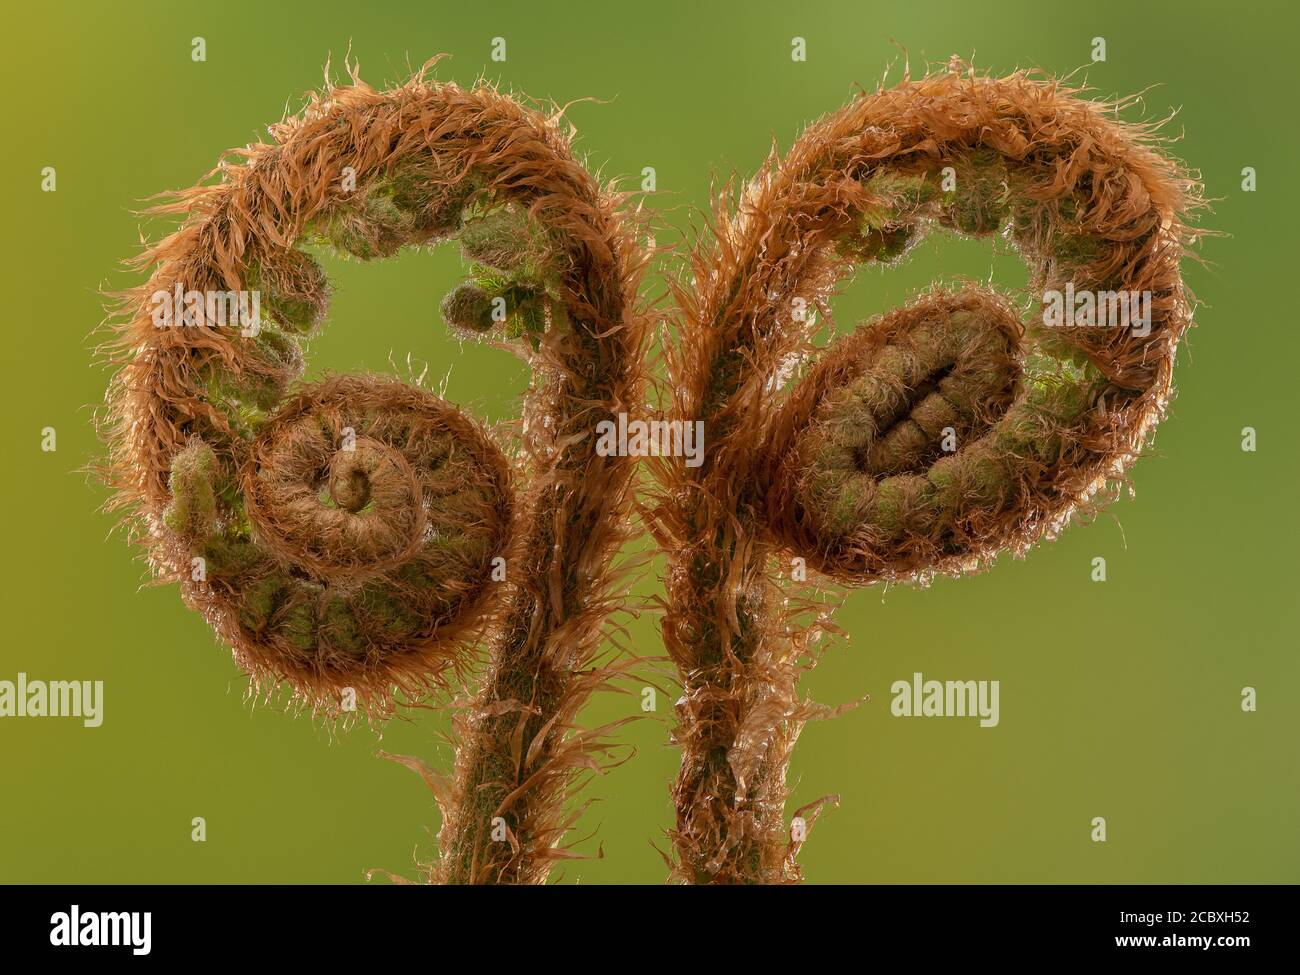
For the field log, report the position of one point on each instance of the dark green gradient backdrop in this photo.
(1118, 699)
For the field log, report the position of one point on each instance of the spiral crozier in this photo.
(934, 437)
(962, 425)
(349, 533)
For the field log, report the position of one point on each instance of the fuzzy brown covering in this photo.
(204, 423)
(1087, 200)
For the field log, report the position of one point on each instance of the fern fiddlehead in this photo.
(350, 533)
(848, 468)
(339, 534)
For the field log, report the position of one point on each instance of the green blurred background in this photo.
(1118, 699)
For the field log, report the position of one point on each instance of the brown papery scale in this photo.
(360, 537)
(930, 440)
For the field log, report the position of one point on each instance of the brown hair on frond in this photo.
(351, 533)
(931, 440)
(358, 533)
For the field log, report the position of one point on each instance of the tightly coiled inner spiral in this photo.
(387, 503)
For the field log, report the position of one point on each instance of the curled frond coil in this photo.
(354, 533)
(930, 440)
